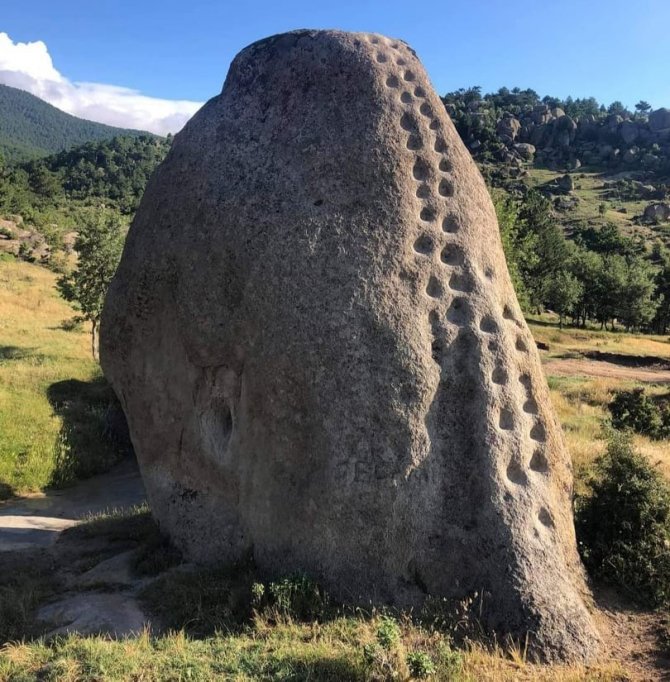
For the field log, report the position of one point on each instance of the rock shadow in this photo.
(94, 435)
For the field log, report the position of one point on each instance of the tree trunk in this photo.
(94, 339)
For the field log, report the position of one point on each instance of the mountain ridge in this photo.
(31, 128)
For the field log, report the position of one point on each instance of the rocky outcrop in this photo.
(658, 212)
(659, 121)
(559, 139)
(319, 350)
(508, 127)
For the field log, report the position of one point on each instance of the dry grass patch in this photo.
(36, 353)
(286, 651)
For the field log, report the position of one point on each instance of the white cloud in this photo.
(28, 66)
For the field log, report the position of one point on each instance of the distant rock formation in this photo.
(562, 142)
(316, 342)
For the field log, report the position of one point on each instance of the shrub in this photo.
(72, 324)
(297, 597)
(420, 665)
(635, 411)
(623, 523)
(385, 656)
(388, 633)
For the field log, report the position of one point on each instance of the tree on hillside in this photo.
(586, 267)
(637, 306)
(662, 318)
(562, 294)
(643, 107)
(98, 245)
(617, 108)
(519, 248)
(551, 251)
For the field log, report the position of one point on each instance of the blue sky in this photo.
(611, 49)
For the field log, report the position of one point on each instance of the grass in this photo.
(27, 578)
(42, 425)
(285, 651)
(589, 191)
(222, 623)
(581, 402)
(571, 341)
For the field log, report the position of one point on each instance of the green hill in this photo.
(31, 128)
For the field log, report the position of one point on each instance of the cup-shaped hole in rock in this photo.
(538, 462)
(545, 518)
(508, 314)
(421, 170)
(445, 188)
(445, 166)
(458, 311)
(516, 474)
(434, 287)
(488, 325)
(408, 122)
(450, 224)
(460, 281)
(423, 191)
(426, 110)
(414, 142)
(424, 245)
(537, 433)
(452, 255)
(427, 214)
(530, 406)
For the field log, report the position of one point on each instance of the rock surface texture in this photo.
(320, 354)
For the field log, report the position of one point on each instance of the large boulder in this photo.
(659, 120)
(541, 114)
(629, 131)
(317, 345)
(525, 150)
(508, 127)
(657, 212)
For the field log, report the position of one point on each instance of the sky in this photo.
(150, 64)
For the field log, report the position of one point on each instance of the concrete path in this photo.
(37, 520)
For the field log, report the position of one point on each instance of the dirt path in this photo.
(37, 520)
(610, 370)
(634, 637)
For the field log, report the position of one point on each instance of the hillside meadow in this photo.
(50, 387)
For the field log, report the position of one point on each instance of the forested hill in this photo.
(30, 127)
(110, 172)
